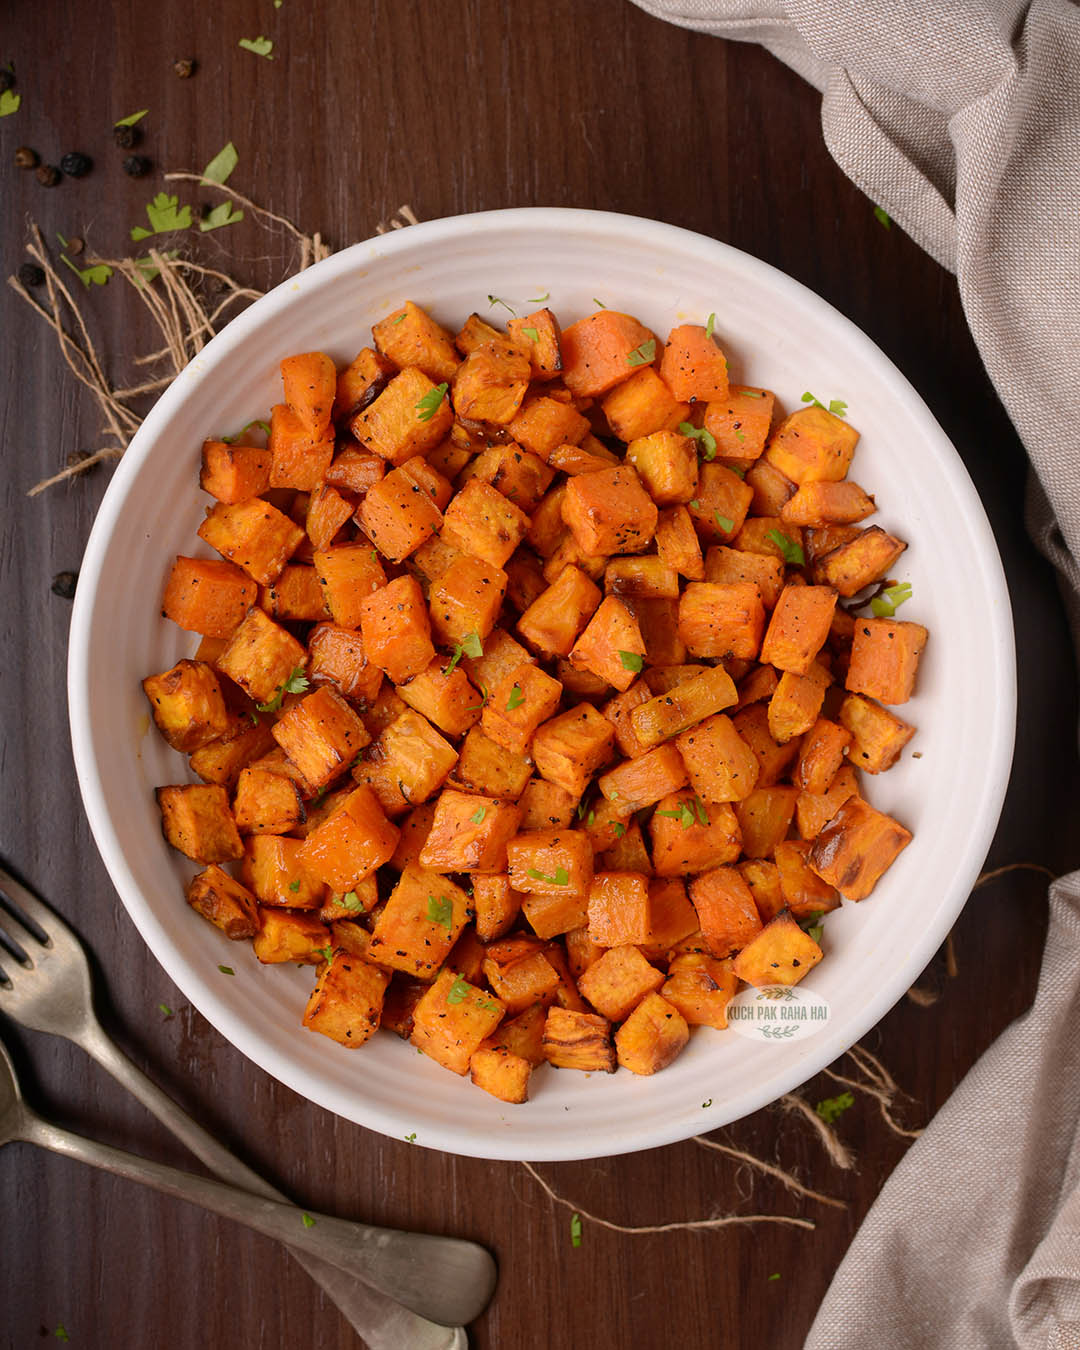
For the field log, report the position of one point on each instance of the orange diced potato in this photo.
(297, 595)
(420, 923)
(234, 473)
(267, 803)
(739, 422)
(362, 382)
(209, 597)
(731, 565)
(321, 735)
(501, 1073)
(419, 758)
(812, 445)
(553, 622)
(519, 703)
(618, 908)
(355, 470)
(299, 458)
(539, 334)
(466, 599)
(678, 546)
(486, 767)
(671, 916)
(550, 862)
(490, 383)
(410, 417)
(396, 630)
(825, 503)
(497, 905)
(856, 847)
(693, 366)
(877, 735)
(398, 515)
(195, 818)
(347, 1000)
(645, 577)
(763, 877)
(410, 337)
(652, 1036)
(798, 627)
(482, 522)
(721, 766)
(718, 619)
(336, 657)
(609, 511)
(578, 1040)
(220, 761)
(444, 697)
(519, 475)
(855, 564)
(642, 405)
(752, 724)
(543, 424)
(772, 491)
(568, 749)
(452, 1019)
(254, 535)
(796, 702)
(523, 977)
(292, 936)
(757, 687)
(349, 573)
(602, 350)
(780, 954)
(274, 870)
(765, 818)
(814, 810)
(351, 843)
(550, 915)
(821, 755)
(884, 658)
(310, 384)
(224, 902)
(678, 709)
(700, 987)
(470, 833)
(689, 835)
(617, 982)
(804, 892)
(637, 783)
(261, 657)
(545, 805)
(611, 645)
(187, 705)
(725, 908)
(718, 508)
(618, 711)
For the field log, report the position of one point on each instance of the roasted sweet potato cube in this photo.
(551, 915)
(618, 712)
(539, 334)
(550, 862)
(545, 805)
(347, 1000)
(856, 847)
(328, 513)
(671, 916)
(343, 911)
(726, 912)
(469, 833)
(349, 573)
(689, 835)
(765, 818)
(693, 366)
(522, 1035)
(287, 935)
(678, 546)
(444, 697)
(220, 761)
(546, 529)
(396, 630)
(520, 977)
(568, 749)
(827, 503)
(410, 417)
(796, 702)
(553, 622)
(814, 810)
(543, 423)
(819, 540)
(519, 475)
(853, 565)
(722, 619)
(195, 818)
(518, 704)
(336, 657)
(719, 506)
(602, 350)
(420, 923)
(611, 645)
(414, 829)
(501, 655)
(642, 405)
(780, 954)
(476, 332)
(812, 445)
(254, 535)
(581, 951)
(309, 381)
(224, 902)
(877, 735)
(418, 757)
(798, 627)
(501, 1073)
(497, 905)
(645, 577)
(772, 491)
(609, 511)
(629, 852)
(267, 803)
(206, 596)
(731, 565)
(763, 877)
(361, 382)
(482, 522)
(618, 981)
(637, 783)
(410, 337)
(355, 470)
(757, 687)
(452, 1019)
(700, 987)
(821, 756)
(234, 473)
(297, 596)
(689, 703)
(466, 599)
(490, 384)
(398, 514)
(721, 766)
(399, 1004)
(578, 1040)
(884, 658)
(299, 458)
(739, 422)
(321, 735)
(774, 759)
(351, 843)
(804, 892)
(588, 457)
(187, 705)
(652, 1036)
(275, 872)
(486, 767)
(618, 908)
(261, 657)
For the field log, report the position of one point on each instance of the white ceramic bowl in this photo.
(776, 333)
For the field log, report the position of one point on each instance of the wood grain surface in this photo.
(450, 106)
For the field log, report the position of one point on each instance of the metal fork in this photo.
(49, 989)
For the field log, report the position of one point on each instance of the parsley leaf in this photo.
(695, 505)
(165, 214)
(226, 970)
(458, 991)
(494, 300)
(531, 333)
(9, 103)
(165, 1010)
(885, 605)
(882, 217)
(327, 952)
(598, 303)
(516, 699)
(256, 422)
(724, 522)
(641, 356)
(308, 1221)
(223, 163)
(261, 46)
(575, 1230)
(561, 877)
(222, 214)
(737, 470)
(751, 393)
(98, 275)
(812, 925)
(478, 815)
(619, 828)
(350, 900)
(294, 886)
(774, 1276)
(710, 325)
(430, 403)
(837, 406)
(631, 660)
(539, 299)
(702, 814)
(148, 269)
(295, 684)
(411, 1138)
(132, 118)
(440, 910)
(792, 552)
(61, 1332)
(470, 645)
(832, 1108)
(702, 434)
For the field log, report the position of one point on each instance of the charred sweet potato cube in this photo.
(739, 422)
(719, 506)
(641, 405)
(321, 735)
(520, 974)
(578, 1040)
(812, 445)
(234, 473)
(469, 833)
(798, 627)
(420, 923)
(475, 332)
(602, 350)
(224, 902)
(827, 503)
(720, 764)
(501, 1073)
(637, 783)
(700, 987)
(856, 847)
(551, 915)
(187, 705)
(611, 645)
(819, 540)
(609, 511)
(496, 903)
(445, 697)
(275, 872)
(568, 749)
(398, 515)
(693, 366)
(617, 982)
(678, 546)
(396, 630)
(804, 892)
(550, 862)
(205, 596)
(543, 423)
(618, 908)
(266, 803)
(725, 908)
(668, 714)
(374, 770)
(349, 574)
(652, 1036)
(351, 843)
(482, 522)
(452, 1019)
(195, 818)
(488, 768)
(410, 337)
(220, 761)
(355, 470)
(689, 835)
(539, 334)
(820, 756)
(545, 805)
(618, 712)
(347, 1000)
(553, 622)
(814, 810)
(336, 657)
(877, 735)
(402, 996)
(752, 724)
(410, 417)
(361, 382)
(254, 535)
(299, 458)
(292, 936)
(855, 564)
(780, 954)
(731, 565)
(884, 658)
(772, 491)
(671, 916)
(297, 596)
(466, 599)
(765, 818)
(722, 619)
(796, 702)
(519, 703)
(763, 877)
(490, 384)
(519, 475)
(419, 757)
(644, 577)
(328, 513)
(588, 457)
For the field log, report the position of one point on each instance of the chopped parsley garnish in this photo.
(440, 910)
(261, 46)
(598, 303)
(429, 404)
(165, 1010)
(792, 552)
(494, 300)
(832, 1108)
(531, 333)
(487, 1005)
(724, 522)
(751, 393)
(223, 214)
(641, 356)
(478, 815)
(132, 118)
(695, 505)
(882, 217)
(703, 435)
(687, 812)
(631, 660)
(590, 819)
(294, 886)
(226, 970)
(774, 1276)
(255, 422)
(9, 102)
(836, 406)
(575, 1230)
(308, 1221)
(97, 275)
(350, 900)
(223, 163)
(61, 1332)
(705, 1105)
(327, 952)
(619, 828)
(812, 925)
(484, 696)
(295, 684)
(710, 325)
(165, 214)
(411, 1138)
(458, 991)
(561, 877)
(539, 299)
(516, 699)
(885, 605)
(740, 436)
(470, 645)
(737, 470)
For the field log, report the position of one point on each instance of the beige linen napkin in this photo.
(962, 119)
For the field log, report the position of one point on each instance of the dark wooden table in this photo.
(462, 105)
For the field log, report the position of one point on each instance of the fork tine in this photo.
(20, 899)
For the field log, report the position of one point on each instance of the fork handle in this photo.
(383, 1322)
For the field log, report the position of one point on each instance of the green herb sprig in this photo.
(430, 403)
(706, 440)
(295, 684)
(793, 554)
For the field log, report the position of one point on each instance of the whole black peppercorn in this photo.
(136, 165)
(7, 79)
(75, 164)
(64, 583)
(48, 175)
(30, 274)
(25, 158)
(185, 68)
(127, 137)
